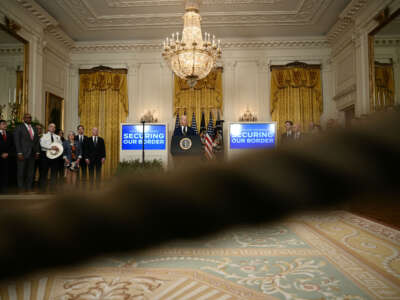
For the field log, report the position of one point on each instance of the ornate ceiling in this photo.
(107, 20)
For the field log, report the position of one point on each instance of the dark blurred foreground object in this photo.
(260, 187)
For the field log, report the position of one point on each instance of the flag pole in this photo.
(143, 121)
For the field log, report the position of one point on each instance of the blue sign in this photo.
(154, 137)
(252, 135)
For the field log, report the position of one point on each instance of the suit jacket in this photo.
(92, 152)
(23, 142)
(299, 138)
(68, 150)
(7, 146)
(285, 139)
(178, 131)
(83, 144)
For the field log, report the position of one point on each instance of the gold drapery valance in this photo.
(296, 94)
(384, 86)
(103, 103)
(205, 97)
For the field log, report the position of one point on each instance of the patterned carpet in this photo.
(331, 256)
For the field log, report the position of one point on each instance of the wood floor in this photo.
(386, 212)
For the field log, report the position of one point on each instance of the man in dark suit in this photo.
(6, 151)
(297, 134)
(183, 129)
(27, 145)
(95, 155)
(288, 136)
(82, 139)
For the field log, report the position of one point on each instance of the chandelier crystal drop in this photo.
(192, 57)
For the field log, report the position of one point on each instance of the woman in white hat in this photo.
(72, 154)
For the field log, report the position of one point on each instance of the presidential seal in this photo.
(185, 144)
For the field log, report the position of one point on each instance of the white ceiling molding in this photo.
(387, 41)
(124, 46)
(306, 12)
(145, 3)
(37, 11)
(50, 24)
(346, 19)
(61, 36)
(11, 49)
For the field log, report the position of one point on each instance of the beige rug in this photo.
(331, 256)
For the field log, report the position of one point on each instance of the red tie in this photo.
(30, 131)
(4, 136)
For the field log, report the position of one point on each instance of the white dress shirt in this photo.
(45, 141)
(81, 138)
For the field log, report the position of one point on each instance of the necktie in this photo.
(30, 131)
(4, 136)
(52, 138)
(95, 141)
(80, 139)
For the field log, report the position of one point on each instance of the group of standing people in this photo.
(293, 132)
(68, 158)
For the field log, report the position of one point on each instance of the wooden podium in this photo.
(186, 150)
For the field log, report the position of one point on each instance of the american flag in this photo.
(194, 124)
(209, 141)
(177, 120)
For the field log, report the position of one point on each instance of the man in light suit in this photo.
(6, 151)
(27, 145)
(46, 143)
(95, 155)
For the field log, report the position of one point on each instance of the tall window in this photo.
(296, 94)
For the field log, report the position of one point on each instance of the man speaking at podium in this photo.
(185, 144)
(183, 129)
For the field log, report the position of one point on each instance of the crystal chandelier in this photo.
(191, 58)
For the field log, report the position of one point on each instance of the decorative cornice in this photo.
(11, 49)
(86, 16)
(61, 36)
(122, 46)
(345, 92)
(145, 3)
(36, 10)
(304, 43)
(346, 19)
(49, 24)
(387, 41)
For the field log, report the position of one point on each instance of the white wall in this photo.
(245, 80)
(9, 64)
(350, 55)
(48, 57)
(246, 76)
(55, 76)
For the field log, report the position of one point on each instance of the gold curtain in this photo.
(103, 103)
(205, 97)
(384, 86)
(296, 95)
